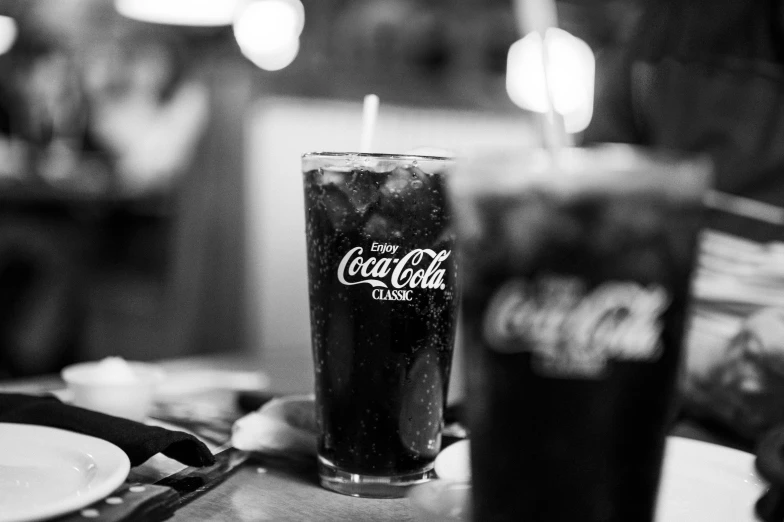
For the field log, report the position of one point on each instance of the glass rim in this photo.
(380, 155)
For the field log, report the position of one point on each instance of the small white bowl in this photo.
(454, 462)
(441, 501)
(130, 395)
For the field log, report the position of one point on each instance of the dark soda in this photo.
(574, 306)
(383, 306)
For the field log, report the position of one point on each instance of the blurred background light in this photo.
(274, 60)
(267, 32)
(208, 13)
(8, 33)
(572, 69)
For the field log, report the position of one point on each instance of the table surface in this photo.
(264, 488)
(272, 488)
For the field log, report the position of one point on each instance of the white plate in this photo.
(46, 472)
(707, 483)
(701, 482)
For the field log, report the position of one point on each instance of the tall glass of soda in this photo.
(382, 284)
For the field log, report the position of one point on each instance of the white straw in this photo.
(369, 116)
(555, 135)
(535, 15)
(539, 15)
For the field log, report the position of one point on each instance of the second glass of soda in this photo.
(576, 289)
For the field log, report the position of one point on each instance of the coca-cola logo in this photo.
(394, 278)
(574, 332)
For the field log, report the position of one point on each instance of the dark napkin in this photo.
(770, 464)
(137, 440)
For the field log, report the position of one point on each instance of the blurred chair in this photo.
(42, 294)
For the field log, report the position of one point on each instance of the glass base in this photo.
(370, 486)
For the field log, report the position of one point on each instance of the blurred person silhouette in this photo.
(144, 110)
(701, 77)
(708, 77)
(41, 295)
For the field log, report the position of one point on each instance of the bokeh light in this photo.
(206, 13)
(277, 59)
(572, 69)
(8, 33)
(267, 32)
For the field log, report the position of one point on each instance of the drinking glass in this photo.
(576, 281)
(382, 309)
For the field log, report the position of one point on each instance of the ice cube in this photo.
(419, 179)
(405, 183)
(338, 208)
(334, 176)
(412, 196)
(362, 189)
(396, 183)
(382, 228)
(371, 163)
